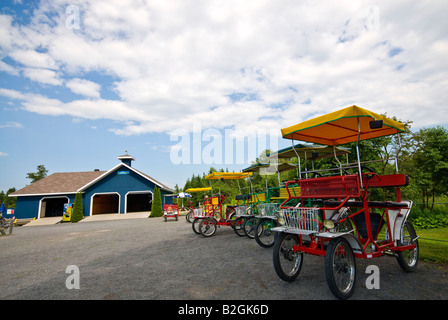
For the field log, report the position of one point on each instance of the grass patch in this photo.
(433, 245)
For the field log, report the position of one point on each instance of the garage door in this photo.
(105, 203)
(52, 207)
(138, 201)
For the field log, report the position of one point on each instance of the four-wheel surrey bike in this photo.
(213, 214)
(348, 223)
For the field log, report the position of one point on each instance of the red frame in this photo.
(170, 210)
(347, 187)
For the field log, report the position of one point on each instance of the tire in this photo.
(340, 268)
(207, 227)
(231, 219)
(238, 226)
(188, 217)
(408, 259)
(195, 225)
(249, 227)
(263, 234)
(287, 264)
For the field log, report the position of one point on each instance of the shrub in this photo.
(156, 210)
(77, 213)
(424, 218)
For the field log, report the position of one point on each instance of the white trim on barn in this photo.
(103, 193)
(128, 167)
(39, 212)
(135, 192)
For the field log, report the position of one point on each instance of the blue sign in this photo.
(122, 172)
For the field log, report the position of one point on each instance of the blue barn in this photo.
(120, 190)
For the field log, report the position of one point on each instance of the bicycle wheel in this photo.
(238, 226)
(263, 234)
(408, 259)
(207, 227)
(340, 268)
(287, 263)
(195, 225)
(188, 216)
(249, 227)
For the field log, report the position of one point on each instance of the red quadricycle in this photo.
(347, 224)
(195, 212)
(213, 213)
(170, 210)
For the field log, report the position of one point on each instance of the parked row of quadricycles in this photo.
(332, 216)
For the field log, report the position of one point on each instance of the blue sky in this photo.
(83, 81)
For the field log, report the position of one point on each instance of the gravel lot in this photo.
(151, 259)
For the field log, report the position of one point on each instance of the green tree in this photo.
(430, 163)
(156, 210)
(10, 202)
(77, 214)
(36, 176)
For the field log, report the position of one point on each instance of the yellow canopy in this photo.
(198, 189)
(341, 127)
(227, 175)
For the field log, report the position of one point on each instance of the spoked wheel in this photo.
(207, 227)
(263, 234)
(287, 263)
(195, 225)
(249, 227)
(188, 216)
(238, 226)
(408, 259)
(340, 268)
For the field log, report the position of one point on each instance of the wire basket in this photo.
(241, 210)
(301, 220)
(268, 209)
(198, 213)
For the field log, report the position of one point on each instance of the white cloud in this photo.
(8, 68)
(11, 125)
(84, 87)
(31, 58)
(3, 154)
(233, 64)
(44, 76)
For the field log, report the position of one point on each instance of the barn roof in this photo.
(59, 183)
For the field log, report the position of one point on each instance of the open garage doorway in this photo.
(105, 203)
(52, 207)
(138, 201)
